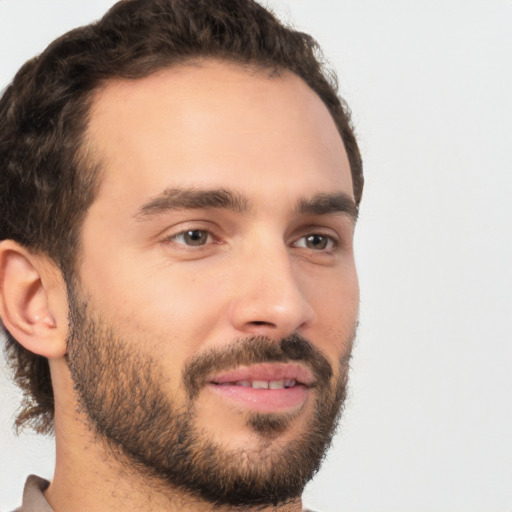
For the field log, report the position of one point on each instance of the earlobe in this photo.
(31, 299)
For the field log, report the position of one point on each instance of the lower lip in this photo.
(263, 400)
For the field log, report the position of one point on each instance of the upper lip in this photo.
(268, 372)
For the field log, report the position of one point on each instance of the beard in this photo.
(119, 389)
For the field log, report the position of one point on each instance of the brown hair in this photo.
(47, 183)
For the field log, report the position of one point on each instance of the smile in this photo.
(263, 384)
(264, 388)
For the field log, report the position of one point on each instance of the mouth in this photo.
(264, 388)
(262, 384)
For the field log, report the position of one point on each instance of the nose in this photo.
(268, 299)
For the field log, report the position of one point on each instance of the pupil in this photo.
(195, 237)
(317, 242)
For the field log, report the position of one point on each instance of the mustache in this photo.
(253, 350)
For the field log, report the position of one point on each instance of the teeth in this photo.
(263, 384)
(290, 383)
(260, 384)
(276, 384)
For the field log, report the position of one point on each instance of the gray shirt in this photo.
(33, 497)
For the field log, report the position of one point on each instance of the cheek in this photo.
(173, 308)
(336, 303)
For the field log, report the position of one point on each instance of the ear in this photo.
(33, 300)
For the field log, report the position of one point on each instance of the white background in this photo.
(428, 425)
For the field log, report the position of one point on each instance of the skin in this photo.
(210, 125)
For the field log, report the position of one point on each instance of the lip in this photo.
(266, 371)
(264, 400)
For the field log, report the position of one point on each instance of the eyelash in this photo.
(332, 242)
(186, 232)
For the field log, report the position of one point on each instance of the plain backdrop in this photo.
(428, 425)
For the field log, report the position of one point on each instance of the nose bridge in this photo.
(270, 299)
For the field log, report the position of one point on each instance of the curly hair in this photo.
(47, 181)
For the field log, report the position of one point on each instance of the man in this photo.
(179, 188)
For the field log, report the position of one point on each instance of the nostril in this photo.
(261, 322)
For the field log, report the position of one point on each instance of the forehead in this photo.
(214, 123)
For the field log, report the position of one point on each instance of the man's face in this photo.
(217, 295)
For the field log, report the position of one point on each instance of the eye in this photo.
(316, 242)
(193, 237)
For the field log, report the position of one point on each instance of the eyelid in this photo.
(169, 235)
(174, 237)
(182, 232)
(333, 240)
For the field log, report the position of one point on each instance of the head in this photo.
(135, 80)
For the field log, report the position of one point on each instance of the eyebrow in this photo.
(192, 198)
(197, 198)
(323, 204)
